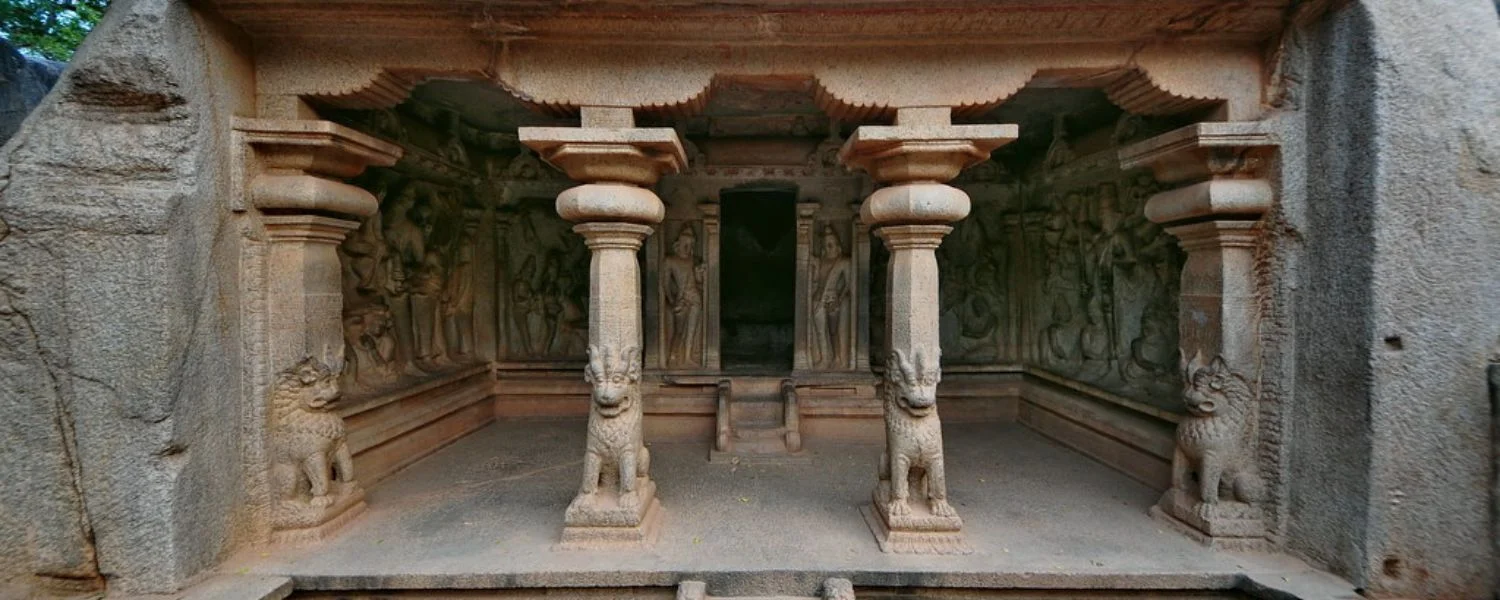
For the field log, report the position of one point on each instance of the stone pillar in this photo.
(912, 159)
(293, 173)
(1218, 493)
(617, 162)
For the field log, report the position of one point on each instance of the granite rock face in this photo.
(23, 83)
(118, 313)
(1397, 296)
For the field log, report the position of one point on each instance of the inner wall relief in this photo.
(1061, 271)
(409, 289)
(546, 267)
(1105, 284)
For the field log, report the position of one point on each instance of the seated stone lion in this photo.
(308, 441)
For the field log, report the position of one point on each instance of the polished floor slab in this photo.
(485, 513)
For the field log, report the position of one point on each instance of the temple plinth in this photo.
(616, 503)
(911, 512)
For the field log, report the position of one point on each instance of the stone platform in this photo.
(486, 512)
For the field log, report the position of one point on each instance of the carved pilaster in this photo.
(801, 357)
(293, 171)
(913, 158)
(503, 310)
(861, 287)
(1218, 494)
(616, 162)
(712, 359)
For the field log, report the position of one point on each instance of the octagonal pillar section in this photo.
(913, 159)
(294, 179)
(615, 210)
(1218, 492)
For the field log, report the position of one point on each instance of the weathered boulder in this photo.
(23, 83)
(119, 313)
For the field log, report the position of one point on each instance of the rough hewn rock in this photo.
(118, 313)
(1397, 296)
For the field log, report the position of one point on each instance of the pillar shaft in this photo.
(614, 282)
(911, 512)
(616, 503)
(1219, 492)
(912, 287)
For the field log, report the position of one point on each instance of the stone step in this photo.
(756, 412)
(833, 589)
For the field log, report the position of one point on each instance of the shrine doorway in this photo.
(758, 255)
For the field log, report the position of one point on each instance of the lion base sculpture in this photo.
(911, 513)
(616, 504)
(1216, 487)
(312, 472)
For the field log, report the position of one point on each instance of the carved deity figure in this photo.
(1059, 152)
(615, 452)
(1216, 441)
(426, 307)
(371, 346)
(1153, 352)
(527, 310)
(830, 310)
(311, 464)
(572, 337)
(913, 434)
(406, 245)
(458, 302)
(682, 287)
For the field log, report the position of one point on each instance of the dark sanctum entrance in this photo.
(758, 278)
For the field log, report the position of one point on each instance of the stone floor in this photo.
(484, 513)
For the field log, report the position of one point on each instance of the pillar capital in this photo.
(923, 145)
(613, 236)
(298, 165)
(1219, 168)
(913, 237)
(608, 148)
(309, 229)
(610, 202)
(915, 203)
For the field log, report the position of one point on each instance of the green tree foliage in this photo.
(49, 28)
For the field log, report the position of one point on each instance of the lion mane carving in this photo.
(1216, 440)
(308, 437)
(614, 439)
(914, 435)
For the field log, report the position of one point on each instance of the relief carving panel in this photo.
(546, 268)
(1107, 302)
(410, 272)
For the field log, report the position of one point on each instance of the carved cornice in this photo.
(1137, 93)
(868, 58)
(766, 22)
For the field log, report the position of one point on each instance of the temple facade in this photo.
(517, 298)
